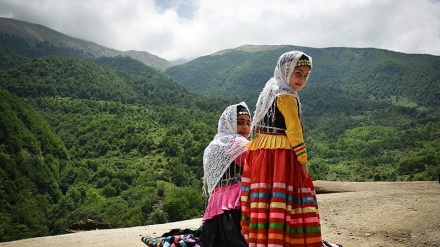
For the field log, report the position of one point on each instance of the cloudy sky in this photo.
(174, 29)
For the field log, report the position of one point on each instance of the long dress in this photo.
(279, 206)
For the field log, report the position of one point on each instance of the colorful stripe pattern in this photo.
(179, 237)
(279, 205)
(300, 151)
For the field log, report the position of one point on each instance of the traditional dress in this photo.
(279, 206)
(222, 163)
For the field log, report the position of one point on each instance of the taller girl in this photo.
(278, 197)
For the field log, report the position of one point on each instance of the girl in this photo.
(279, 204)
(222, 162)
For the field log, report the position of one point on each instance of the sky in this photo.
(186, 29)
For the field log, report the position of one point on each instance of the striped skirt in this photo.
(279, 206)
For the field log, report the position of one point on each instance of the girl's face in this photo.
(243, 125)
(299, 77)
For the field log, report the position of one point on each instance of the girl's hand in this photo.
(305, 170)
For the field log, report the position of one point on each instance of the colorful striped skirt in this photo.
(279, 206)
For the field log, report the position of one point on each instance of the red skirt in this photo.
(279, 206)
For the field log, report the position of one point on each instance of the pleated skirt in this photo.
(279, 205)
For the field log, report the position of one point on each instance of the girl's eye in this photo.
(243, 122)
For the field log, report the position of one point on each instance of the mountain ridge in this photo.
(34, 33)
(344, 68)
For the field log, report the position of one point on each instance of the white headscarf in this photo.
(226, 146)
(276, 86)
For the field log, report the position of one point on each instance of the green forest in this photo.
(113, 140)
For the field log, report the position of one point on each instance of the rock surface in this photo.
(87, 225)
(353, 214)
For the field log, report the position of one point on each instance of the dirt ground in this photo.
(363, 214)
(380, 213)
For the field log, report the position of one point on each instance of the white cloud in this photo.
(174, 29)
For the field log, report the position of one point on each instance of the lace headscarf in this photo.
(226, 146)
(276, 86)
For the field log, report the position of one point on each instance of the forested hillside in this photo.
(31, 158)
(110, 140)
(365, 72)
(113, 140)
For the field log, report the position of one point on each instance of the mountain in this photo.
(35, 34)
(241, 73)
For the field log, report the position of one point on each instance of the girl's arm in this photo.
(288, 106)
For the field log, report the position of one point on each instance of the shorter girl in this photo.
(222, 164)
